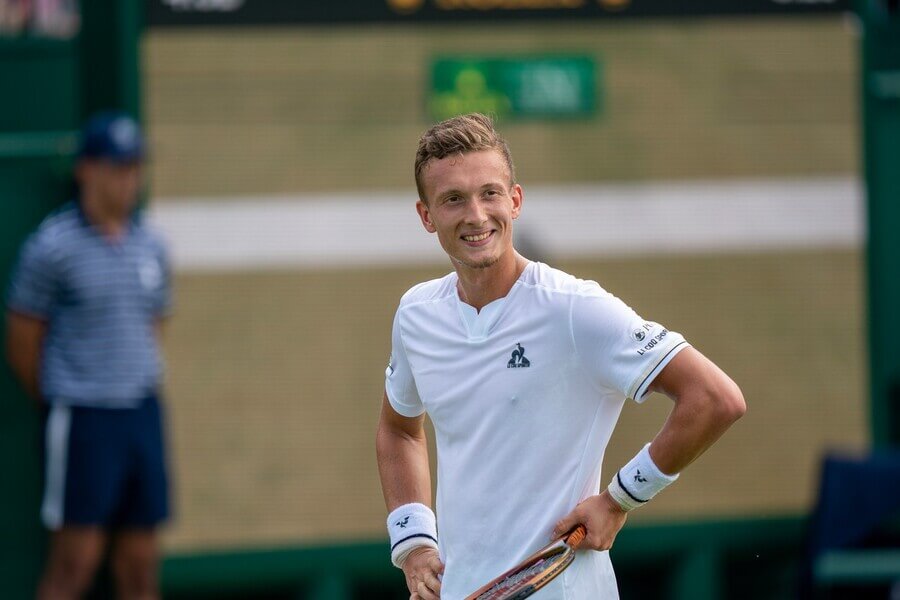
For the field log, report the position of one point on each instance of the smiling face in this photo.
(470, 202)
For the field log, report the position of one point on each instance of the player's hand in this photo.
(601, 516)
(422, 569)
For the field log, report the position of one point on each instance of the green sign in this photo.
(520, 87)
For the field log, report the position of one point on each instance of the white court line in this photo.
(382, 228)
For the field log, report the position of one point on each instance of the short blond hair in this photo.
(465, 133)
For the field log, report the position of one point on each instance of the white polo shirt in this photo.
(523, 397)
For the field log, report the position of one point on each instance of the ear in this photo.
(518, 198)
(425, 215)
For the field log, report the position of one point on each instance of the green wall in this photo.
(35, 135)
(739, 559)
(880, 87)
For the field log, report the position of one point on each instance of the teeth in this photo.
(476, 238)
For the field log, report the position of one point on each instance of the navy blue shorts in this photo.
(105, 467)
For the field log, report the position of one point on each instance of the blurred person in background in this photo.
(84, 309)
(523, 370)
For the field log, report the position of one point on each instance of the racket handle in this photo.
(575, 537)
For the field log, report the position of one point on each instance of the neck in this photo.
(480, 287)
(110, 222)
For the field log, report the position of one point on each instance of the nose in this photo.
(476, 214)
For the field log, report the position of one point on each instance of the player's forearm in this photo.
(403, 467)
(24, 339)
(699, 418)
(24, 362)
(26, 372)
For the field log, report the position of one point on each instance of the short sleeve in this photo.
(619, 349)
(399, 383)
(33, 287)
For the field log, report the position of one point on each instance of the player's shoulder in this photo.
(57, 230)
(542, 277)
(64, 218)
(434, 290)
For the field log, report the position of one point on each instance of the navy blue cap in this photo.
(113, 136)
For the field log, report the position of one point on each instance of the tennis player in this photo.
(523, 370)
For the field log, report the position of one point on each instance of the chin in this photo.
(122, 207)
(479, 263)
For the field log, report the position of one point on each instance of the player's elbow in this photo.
(729, 404)
(716, 404)
(390, 436)
(385, 437)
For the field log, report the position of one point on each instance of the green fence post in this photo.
(881, 144)
(110, 55)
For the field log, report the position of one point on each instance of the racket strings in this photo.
(520, 580)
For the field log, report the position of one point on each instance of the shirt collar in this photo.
(133, 220)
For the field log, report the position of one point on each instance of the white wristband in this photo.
(639, 481)
(410, 526)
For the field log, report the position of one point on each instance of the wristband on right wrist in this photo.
(411, 526)
(639, 481)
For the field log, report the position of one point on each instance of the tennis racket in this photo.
(534, 572)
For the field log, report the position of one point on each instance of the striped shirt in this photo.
(100, 299)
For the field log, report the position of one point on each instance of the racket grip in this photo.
(575, 537)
